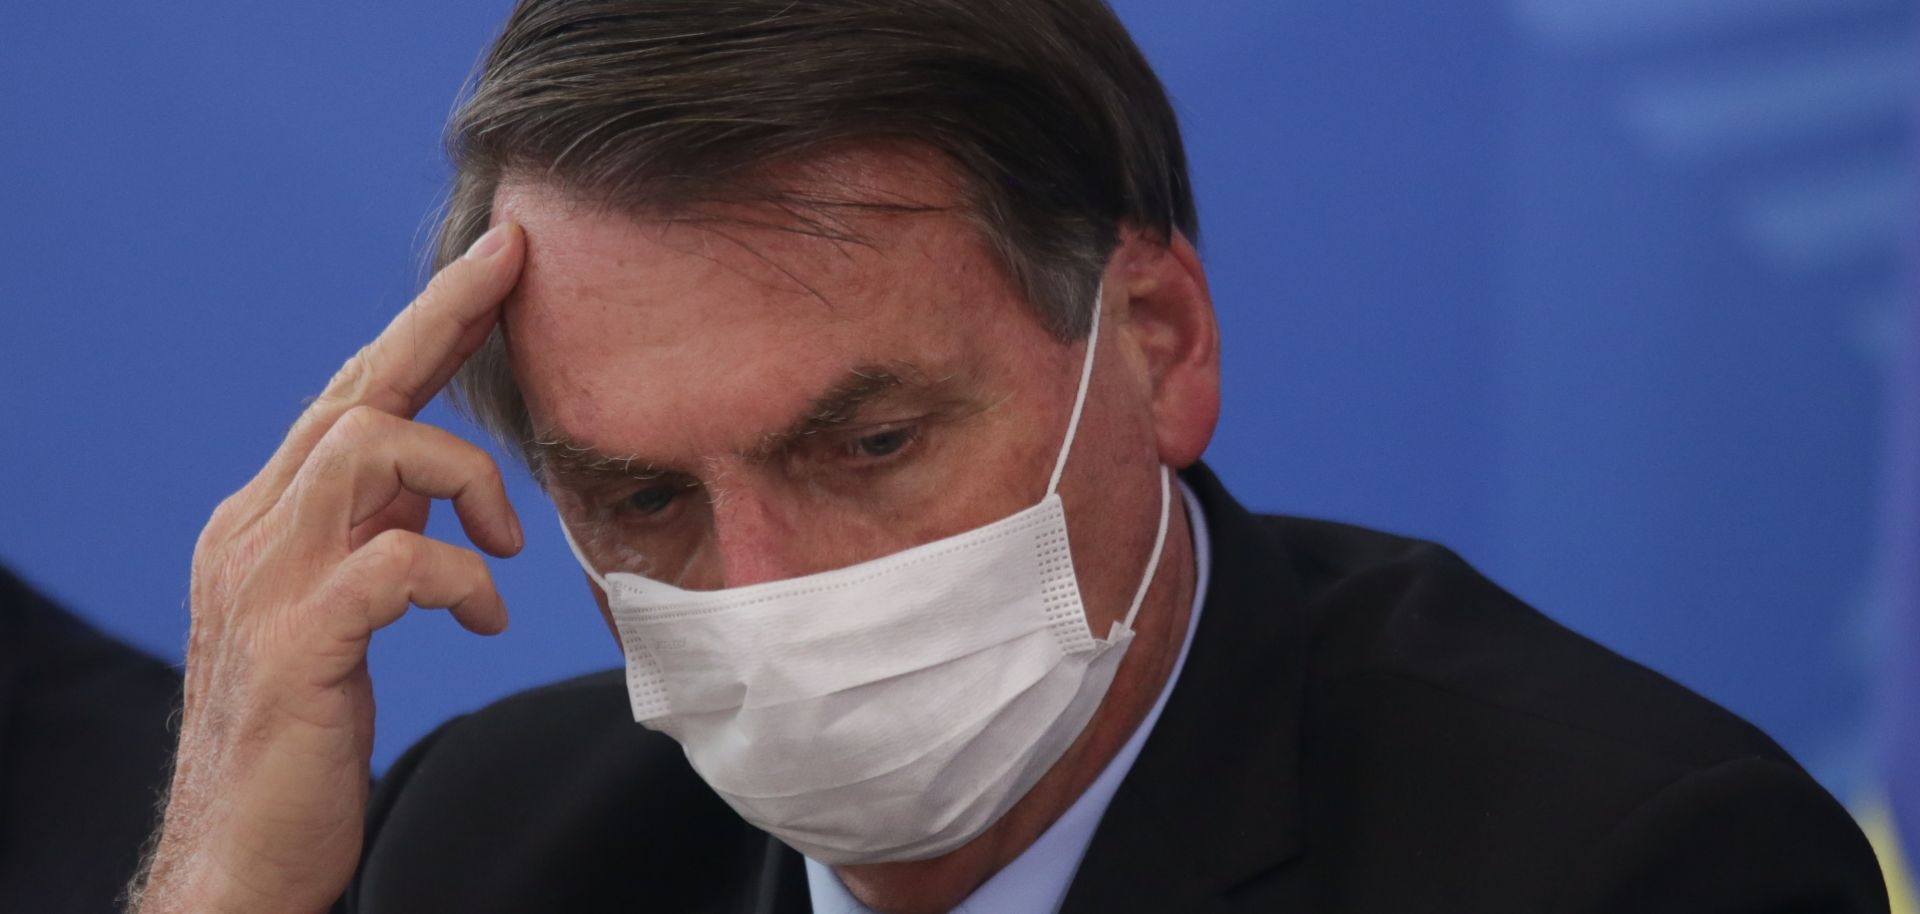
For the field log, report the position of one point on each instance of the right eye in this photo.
(651, 500)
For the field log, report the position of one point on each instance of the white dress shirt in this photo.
(1036, 881)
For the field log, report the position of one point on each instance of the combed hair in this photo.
(1047, 110)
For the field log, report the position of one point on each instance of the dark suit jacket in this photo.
(1364, 724)
(84, 750)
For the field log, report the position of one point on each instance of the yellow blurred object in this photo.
(1877, 821)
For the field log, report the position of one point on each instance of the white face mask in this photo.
(890, 710)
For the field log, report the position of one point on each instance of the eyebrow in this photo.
(841, 403)
(555, 455)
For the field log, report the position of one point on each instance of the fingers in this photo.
(407, 511)
(398, 568)
(426, 342)
(410, 361)
(292, 576)
(371, 459)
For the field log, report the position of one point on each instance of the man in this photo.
(84, 745)
(856, 342)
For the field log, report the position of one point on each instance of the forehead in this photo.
(691, 333)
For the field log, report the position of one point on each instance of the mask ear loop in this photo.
(581, 557)
(1066, 447)
(1080, 399)
(1159, 544)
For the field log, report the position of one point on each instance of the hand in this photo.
(292, 576)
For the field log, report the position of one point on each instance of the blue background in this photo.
(1598, 292)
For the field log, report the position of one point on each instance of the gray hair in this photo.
(1050, 114)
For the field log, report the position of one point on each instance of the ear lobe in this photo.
(1170, 318)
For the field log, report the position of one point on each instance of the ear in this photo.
(1166, 316)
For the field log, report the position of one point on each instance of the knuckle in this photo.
(328, 451)
(482, 468)
(375, 568)
(392, 552)
(225, 527)
(362, 379)
(355, 584)
(358, 425)
(226, 515)
(437, 285)
(441, 286)
(352, 374)
(350, 434)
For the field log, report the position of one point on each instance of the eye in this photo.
(881, 445)
(650, 501)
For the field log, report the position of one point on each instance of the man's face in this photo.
(725, 403)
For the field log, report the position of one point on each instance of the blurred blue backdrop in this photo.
(1599, 292)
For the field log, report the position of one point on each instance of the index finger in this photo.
(410, 361)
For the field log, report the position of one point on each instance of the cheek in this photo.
(606, 616)
(1112, 489)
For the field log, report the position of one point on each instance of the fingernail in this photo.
(519, 538)
(489, 244)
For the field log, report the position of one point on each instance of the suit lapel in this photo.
(780, 885)
(1214, 797)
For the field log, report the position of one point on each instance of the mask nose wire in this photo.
(1080, 399)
